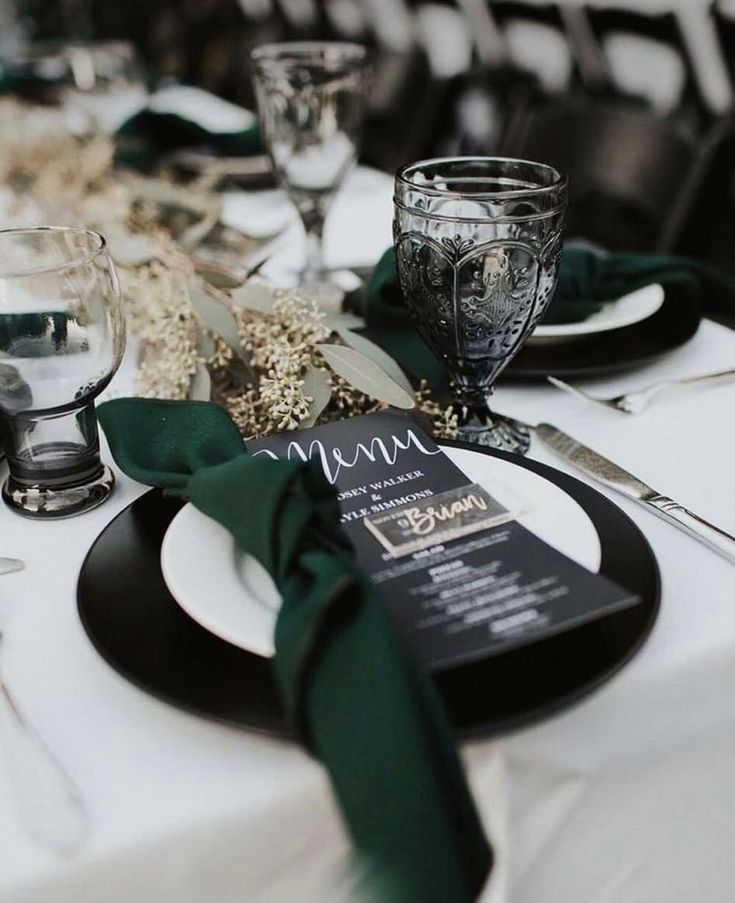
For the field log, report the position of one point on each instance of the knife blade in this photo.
(8, 565)
(616, 477)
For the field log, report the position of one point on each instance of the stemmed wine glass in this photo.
(311, 98)
(478, 243)
(62, 335)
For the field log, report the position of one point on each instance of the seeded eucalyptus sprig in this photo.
(307, 366)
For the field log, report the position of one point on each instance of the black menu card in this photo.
(461, 578)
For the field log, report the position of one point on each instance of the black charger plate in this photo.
(138, 627)
(602, 353)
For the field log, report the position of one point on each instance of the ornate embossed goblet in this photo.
(478, 244)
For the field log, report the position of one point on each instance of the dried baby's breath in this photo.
(169, 355)
(444, 419)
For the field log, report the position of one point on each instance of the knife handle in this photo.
(717, 539)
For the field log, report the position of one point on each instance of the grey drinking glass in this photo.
(311, 101)
(62, 335)
(478, 242)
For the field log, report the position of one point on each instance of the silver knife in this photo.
(8, 565)
(610, 474)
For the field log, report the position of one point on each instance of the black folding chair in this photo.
(629, 170)
(549, 21)
(664, 30)
(402, 108)
(345, 20)
(723, 19)
(705, 228)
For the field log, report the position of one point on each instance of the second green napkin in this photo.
(587, 279)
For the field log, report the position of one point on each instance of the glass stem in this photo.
(472, 399)
(313, 221)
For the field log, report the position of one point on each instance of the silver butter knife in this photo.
(610, 474)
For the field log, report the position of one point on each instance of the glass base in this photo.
(44, 503)
(492, 430)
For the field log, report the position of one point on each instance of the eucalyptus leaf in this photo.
(196, 233)
(217, 275)
(377, 355)
(216, 316)
(345, 320)
(201, 385)
(318, 387)
(257, 267)
(366, 376)
(155, 191)
(254, 296)
(165, 194)
(205, 345)
(126, 248)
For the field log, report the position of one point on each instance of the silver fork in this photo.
(635, 402)
(49, 805)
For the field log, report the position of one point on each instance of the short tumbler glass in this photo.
(62, 335)
(478, 242)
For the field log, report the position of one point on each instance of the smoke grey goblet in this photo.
(478, 242)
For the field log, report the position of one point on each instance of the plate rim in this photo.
(673, 324)
(256, 648)
(93, 598)
(561, 331)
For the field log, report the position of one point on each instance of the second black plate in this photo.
(603, 353)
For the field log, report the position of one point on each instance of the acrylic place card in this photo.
(461, 577)
(436, 519)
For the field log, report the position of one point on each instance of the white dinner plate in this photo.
(231, 595)
(632, 308)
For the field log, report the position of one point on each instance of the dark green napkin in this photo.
(391, 326)
(356, 699)
(146, 136)
(29, 87)
(587, 279)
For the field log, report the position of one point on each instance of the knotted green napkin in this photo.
(390, 325)
(587, 279)
(146, 136)
(356, 699)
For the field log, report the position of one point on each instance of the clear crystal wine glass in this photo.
(62, 335)
(311, 98)
(478, 242)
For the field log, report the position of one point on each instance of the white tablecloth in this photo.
(629, 796)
